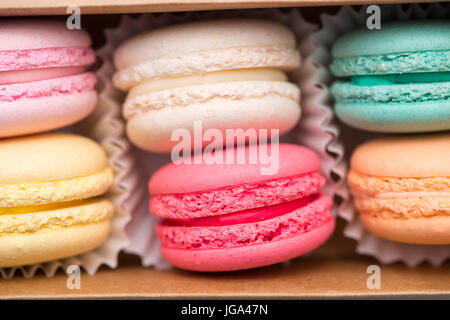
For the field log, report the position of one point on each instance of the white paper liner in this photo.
(315, 129)
(104, 125)
(333, 26)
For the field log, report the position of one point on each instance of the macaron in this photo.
(231, 215)
(44, 84)
(50, 198)
(401, 187)
(228, 73)
(399, 77)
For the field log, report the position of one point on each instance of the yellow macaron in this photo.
(49, 198)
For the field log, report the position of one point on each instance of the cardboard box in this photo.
(334, 270)
(46, 7)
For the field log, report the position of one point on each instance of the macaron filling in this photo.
(256, 74)
(279, 57)
(202, 88)
(301, 219)
(55, 216)
(245, 216)
(400, 197)
(405, 78)
(235, 198)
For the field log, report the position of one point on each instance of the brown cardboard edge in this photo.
(59, 7)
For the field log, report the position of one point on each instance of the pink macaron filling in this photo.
(248, 228)
(245, 216)
(220, 201)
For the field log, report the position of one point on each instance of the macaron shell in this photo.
(46, 246)
(292, 160)
(396, 118)
(24, 34)
(392, 94)
(20, 194)
(51, 156)
(392, 63)
(388, 187)
(37, 106)
(404, 156)
(405, 207)
(43, 114)
(45, 58)
(178, 40)
(153, 130)
(431, 231)
(251, 256)
(395, 37)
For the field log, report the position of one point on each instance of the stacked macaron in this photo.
(399, 77)
(224, 73)
(401, 186)
(44, 84)
(225, 216)
(50, 183)
(49, 204)
(399, 83)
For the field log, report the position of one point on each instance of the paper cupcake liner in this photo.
(104, 125)
(333, 26)
(315, 129)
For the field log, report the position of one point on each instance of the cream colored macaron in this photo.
(49, 198)
(226, 74)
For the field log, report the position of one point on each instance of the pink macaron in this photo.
(232, 215)
(44, 83)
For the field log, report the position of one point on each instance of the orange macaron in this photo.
(401, 187)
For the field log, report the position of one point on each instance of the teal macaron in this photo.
(396, 79)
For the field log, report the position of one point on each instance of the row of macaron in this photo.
(398, 83)
(233, 74)
(52, 184)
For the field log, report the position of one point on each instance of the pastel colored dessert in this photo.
(399, 77)
(222, 73)
(223, 217)
(50, 198)
(44, 84)
(401, 187)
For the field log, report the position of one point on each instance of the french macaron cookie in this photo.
(50, 198)
(399, 77)
(227, 73)
(401, 187)
(44, 83)
(224, 217)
